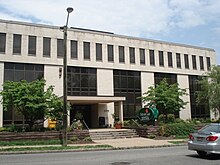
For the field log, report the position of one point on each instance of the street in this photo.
(160, 156)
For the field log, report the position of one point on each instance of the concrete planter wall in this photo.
(48, 135)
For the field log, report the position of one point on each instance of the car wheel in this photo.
(202, 153)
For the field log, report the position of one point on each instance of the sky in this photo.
(192, 22)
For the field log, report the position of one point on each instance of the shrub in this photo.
(87, 139)
(177, 129)
(170, 118)
(178, 120)
(74, 139)
(3, 129)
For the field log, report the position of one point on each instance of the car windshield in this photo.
(209, 129)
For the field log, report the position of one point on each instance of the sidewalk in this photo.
(135, 142)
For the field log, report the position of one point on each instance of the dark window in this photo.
(16, 44)
(86, 50)
(74, 49)
(132, 55)
(186, 59)
(178, 60)
(194, 62)
(128, 84)
(161, 59)
(171, 78)
(98, 52)
(2, 42)
(152, 58)
(208, 63)
(201, 62)
(110, 53)
(121, 54)
(81, 81)
(60, 48)
(170, 59)
(32, 45)
(142, 56)
(197, 110)
(46, 46)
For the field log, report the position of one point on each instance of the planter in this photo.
(118, 125)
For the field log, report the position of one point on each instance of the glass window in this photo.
(161, 59)
(60, 48)
(2, 42)
(170, 59)
(16, 44)
(98, 52)
(197, 110)
(86, 50)
(178, 60)
(110, 53)
(152, 58)
(46, 46)
(142, 56)
(194, 62)
(127, 84)
(74, 49)
(208, 63)
(82, 81)
(32, 45)
(121, 54)
(201, 62)
(186, 59)
(132, 55)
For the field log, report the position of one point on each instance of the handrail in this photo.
(85, 125)
(136, 123)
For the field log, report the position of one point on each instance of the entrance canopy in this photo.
(94, 99)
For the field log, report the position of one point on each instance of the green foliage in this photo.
(170, 118)
(29, 142)
(3, 129)
(30, 99)
(87, 139)
(166, 97)
(74, 139)
(176, 129)
(210, 89)
(77, 124)
(78, 115)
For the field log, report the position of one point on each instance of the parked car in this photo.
(206, 140)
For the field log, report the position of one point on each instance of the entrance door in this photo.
(84, 110)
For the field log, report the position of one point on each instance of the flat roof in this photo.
(106, 33)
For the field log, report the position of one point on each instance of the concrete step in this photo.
(113, 134)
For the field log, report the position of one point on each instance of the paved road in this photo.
(159, 156)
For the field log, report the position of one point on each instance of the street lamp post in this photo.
(69, 10)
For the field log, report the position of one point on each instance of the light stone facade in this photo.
(105, 85)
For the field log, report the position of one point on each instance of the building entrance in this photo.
(83, 111)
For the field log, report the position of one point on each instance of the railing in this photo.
(136, 123)
(85, 124)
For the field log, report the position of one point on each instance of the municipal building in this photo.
(106, 71)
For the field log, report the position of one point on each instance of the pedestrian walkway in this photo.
(133, 142)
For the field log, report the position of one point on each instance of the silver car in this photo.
(206, 140)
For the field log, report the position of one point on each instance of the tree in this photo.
(210, 89)
(30, 99)
(166, 97)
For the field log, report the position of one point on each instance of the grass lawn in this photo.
(52, 148)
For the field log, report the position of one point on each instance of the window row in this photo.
(32, 47)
